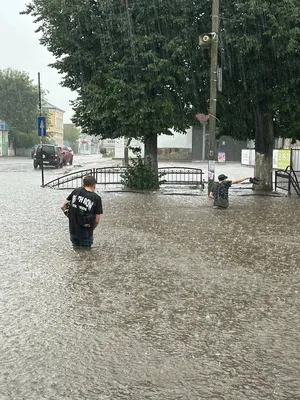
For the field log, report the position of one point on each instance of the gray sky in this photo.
(20, 49)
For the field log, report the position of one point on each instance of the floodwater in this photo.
(175, 301)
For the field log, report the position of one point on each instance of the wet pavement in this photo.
(175, 301)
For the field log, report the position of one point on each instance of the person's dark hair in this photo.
(89, 181)
(222, 177)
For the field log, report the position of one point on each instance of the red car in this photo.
(67, 154)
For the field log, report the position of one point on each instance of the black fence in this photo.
(109, 175)
(113, 176)
(181, 176)
(70, 181)
(287, 180)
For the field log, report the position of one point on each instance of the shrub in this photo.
(140, 175)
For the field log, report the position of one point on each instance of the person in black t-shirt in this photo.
(219, 191)
(83, 207)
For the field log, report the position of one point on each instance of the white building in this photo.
(3, 139)
(88, 144)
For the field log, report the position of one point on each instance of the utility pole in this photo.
(41, 141)
(213, 92)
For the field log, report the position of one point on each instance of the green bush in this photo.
(140, 175)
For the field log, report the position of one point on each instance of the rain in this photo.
(175, 299)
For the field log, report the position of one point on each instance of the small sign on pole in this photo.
(42, 129)
(221, 157)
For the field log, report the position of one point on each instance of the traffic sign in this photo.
(42, 129)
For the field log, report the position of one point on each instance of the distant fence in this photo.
(113, 176)
(22, 152)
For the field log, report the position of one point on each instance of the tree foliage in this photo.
(19, 106)
(71, 133)
(260, 56)
(134, 64)
(139, 71)
(259, 52)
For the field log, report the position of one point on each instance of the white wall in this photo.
(178, 140)
(120, 144)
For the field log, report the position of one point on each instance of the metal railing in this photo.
(109, 175)
(287, 180)
(181, 176)
(113, 176)
(72, 180)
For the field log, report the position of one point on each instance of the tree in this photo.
(135, 64)
(19, 106)
(261, 64)
(138, 70)
(71, 133)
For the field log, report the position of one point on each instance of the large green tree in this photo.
(71, 133)
(259, 51)
(19, 106)
(134, 64)
(138, 70)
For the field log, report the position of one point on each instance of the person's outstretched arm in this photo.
(239, 180)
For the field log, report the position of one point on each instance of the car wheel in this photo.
(71, 161)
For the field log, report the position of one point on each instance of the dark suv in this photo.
(51, 156)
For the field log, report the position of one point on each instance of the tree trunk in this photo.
(151, 152)
(126, 152)
(264, 144)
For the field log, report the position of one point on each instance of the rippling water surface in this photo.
(175, 300)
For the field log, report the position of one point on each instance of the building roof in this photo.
(50, 106)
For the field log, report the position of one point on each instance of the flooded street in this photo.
(175, 301)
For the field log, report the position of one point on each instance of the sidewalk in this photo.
(233, 170)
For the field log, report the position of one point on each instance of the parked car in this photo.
(33, 150)
(67, 154)
(51, 156)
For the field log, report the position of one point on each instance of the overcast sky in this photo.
(20, 49)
